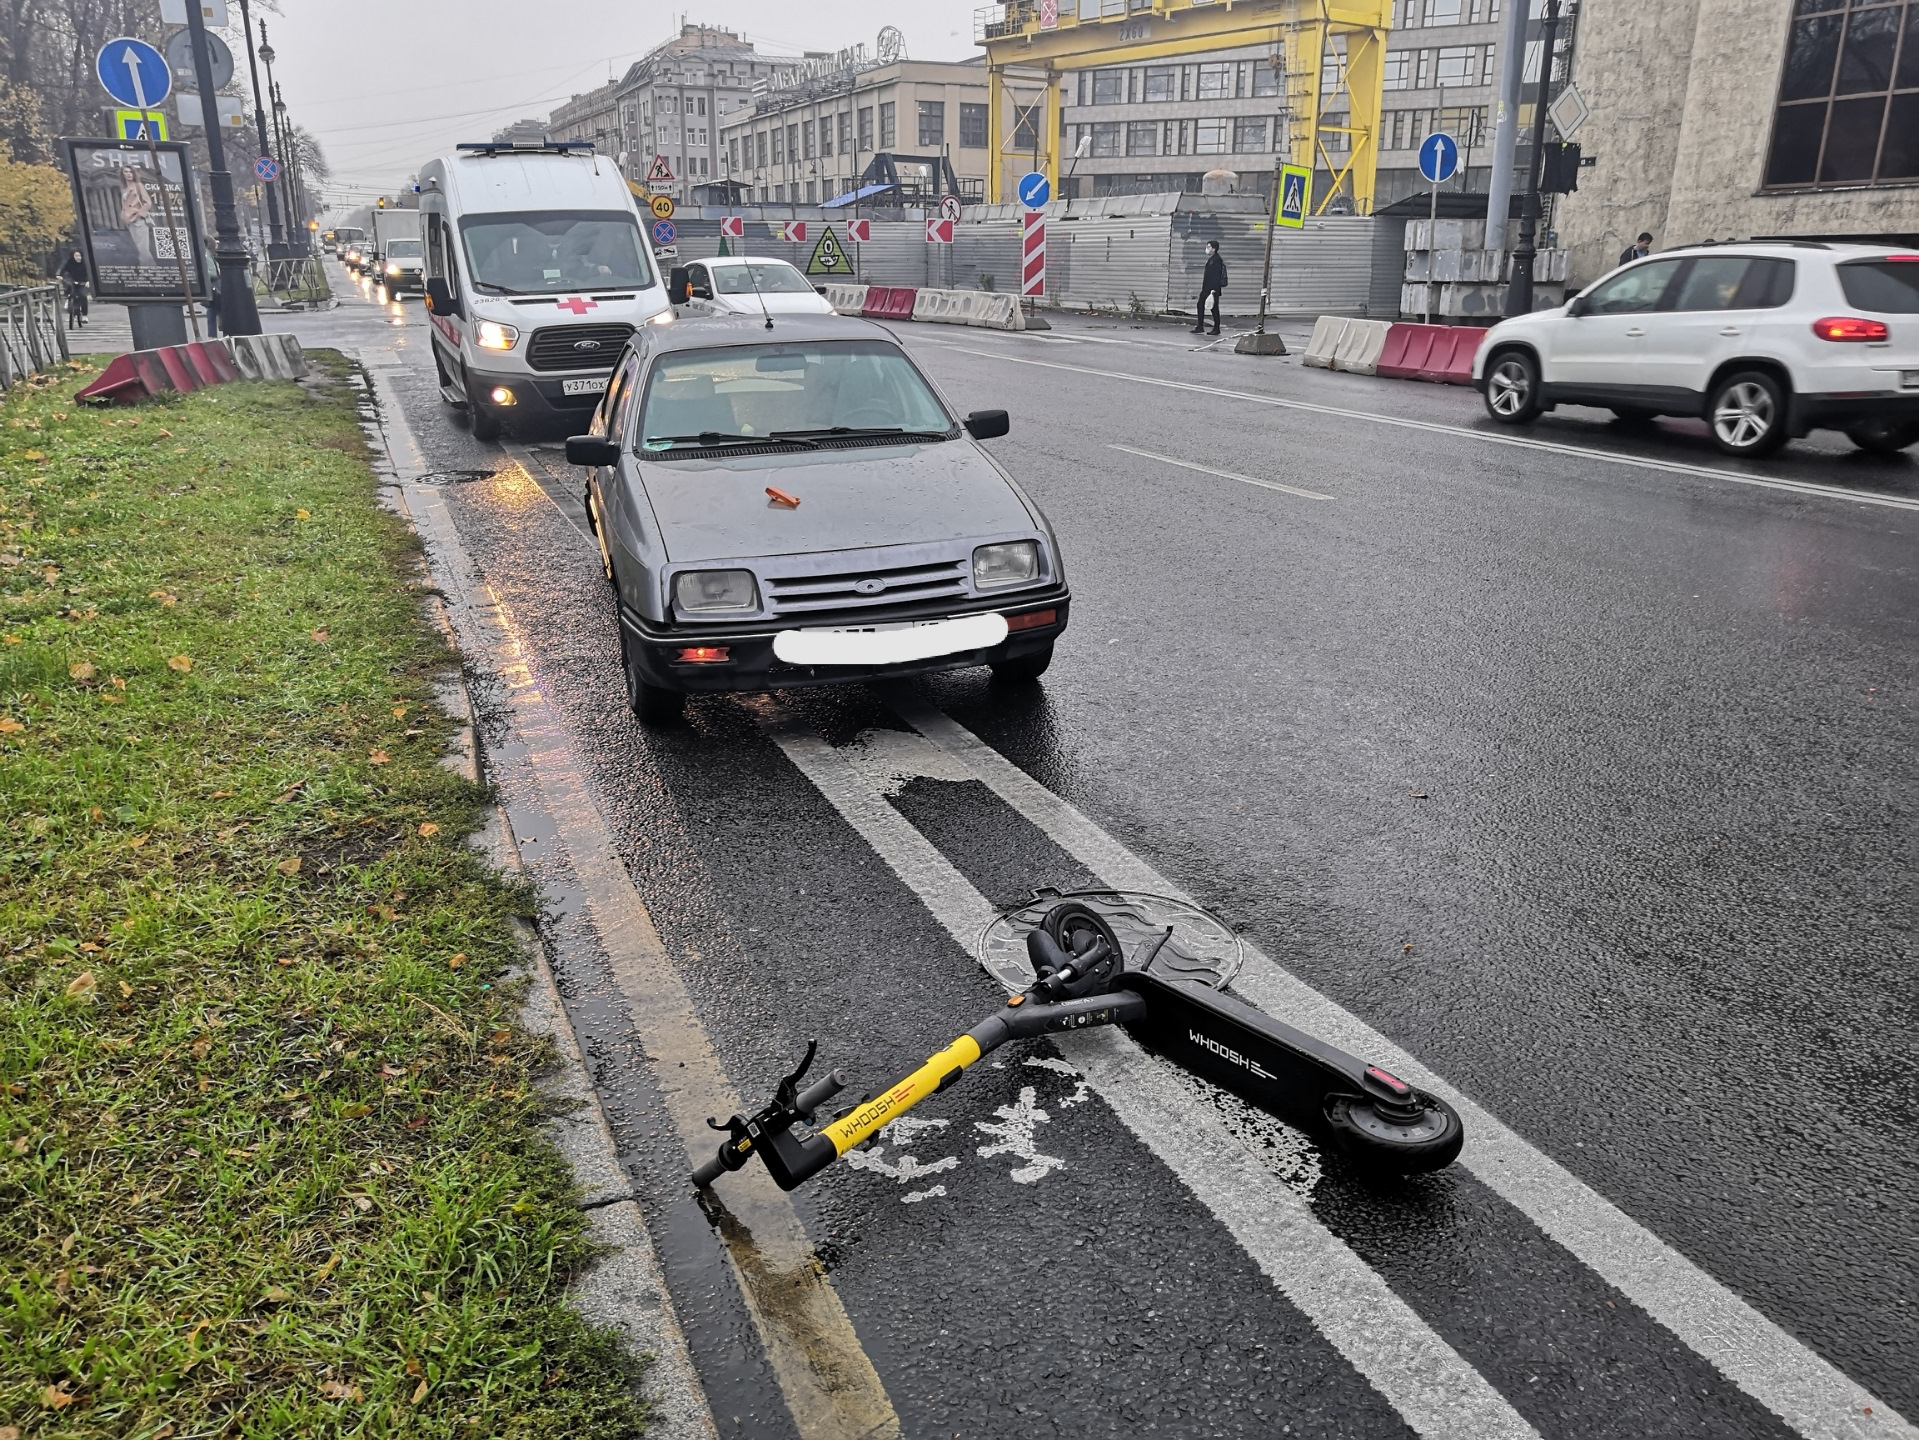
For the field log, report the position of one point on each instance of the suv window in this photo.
(1890, 287)
(1634, 290)
(1734, 282)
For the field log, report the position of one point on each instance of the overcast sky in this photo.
(386, 85)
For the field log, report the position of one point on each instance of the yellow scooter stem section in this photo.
(934, 1076)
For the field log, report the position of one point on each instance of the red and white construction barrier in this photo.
(186, 368)
(1032, 253)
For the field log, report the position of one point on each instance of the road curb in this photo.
(624, 1288)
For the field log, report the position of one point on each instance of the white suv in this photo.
(1764, 341)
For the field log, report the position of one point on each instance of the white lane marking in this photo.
(1018, 1122)
(1223, 474)
(1802, 1388)
(1642, 462)
(1380, 1335)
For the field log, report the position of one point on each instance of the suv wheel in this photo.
(1885, 437)
(654, 704)
(1512, 387)
(486, 425)
(1747, 414)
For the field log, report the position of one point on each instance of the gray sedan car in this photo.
(796, 505)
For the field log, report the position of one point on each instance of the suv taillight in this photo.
(1850, 327)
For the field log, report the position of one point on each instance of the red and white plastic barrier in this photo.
(183, 369)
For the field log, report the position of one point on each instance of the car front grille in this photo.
(558, 347)
(871, 592)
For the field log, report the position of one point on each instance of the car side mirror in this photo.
(987, 424)
(592, 451)
(439, 297)
(679, 285)
(1578, 307)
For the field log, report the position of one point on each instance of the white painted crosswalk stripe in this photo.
(1384, 1339)
(1804, 1390)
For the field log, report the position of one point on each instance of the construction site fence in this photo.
(33, 334)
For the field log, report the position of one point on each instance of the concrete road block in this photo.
(1327, 330)
(847, 299)
(1359, 346)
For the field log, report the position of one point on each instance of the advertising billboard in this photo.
(123, 203)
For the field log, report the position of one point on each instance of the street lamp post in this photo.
(267, 56)
(1519, 294)
(237, 309)
(260, 122)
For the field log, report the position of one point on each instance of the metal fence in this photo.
(298, 283)
(33, 334)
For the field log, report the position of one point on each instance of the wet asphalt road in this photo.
(1590, 785)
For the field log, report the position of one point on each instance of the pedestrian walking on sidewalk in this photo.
(1638, 250)
(73, 279)
(1212, 282)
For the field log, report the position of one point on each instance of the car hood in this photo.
(785, 304)
(718, 509)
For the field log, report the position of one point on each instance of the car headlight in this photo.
(492, 335)
(393, 269)
(1011, 562)
(716, 592)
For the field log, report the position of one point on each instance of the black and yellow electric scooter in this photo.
(1084, 979)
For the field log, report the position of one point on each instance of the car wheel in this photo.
(1025, 669)
(654, 704)
(1747, 414)
(486, 425)
(1512, 387)
(1885, 437)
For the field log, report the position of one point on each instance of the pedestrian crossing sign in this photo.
(1295, 194)
(139, 125)
(829, 256)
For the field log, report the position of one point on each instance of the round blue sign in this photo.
(1438, 156)
(1034, 189)
(665, 232)
(133, 72)
(267, 168)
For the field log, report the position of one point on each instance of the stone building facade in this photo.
(1719, 119)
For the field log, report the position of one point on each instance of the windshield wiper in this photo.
(837, 430)
(715, 437)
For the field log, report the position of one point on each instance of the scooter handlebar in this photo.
(705, 1175)
(819, 1092)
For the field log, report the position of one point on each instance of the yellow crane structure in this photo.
(1330, 51)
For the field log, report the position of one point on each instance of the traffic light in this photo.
(1559, 175)
(382, 202)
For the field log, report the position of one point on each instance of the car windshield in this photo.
(798, 391)
(772, 277)
(1889, 287)
(539, 253)
(403, 250)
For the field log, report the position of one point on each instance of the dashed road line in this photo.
(1641, 462)
(1381, 1336)
(1223, 474)
(1803, 1389)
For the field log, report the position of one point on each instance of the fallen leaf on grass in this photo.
(10, 726)
(294, 789)
(283, 960)
(354, 1112)
(456, 962)
(339, 1389)
(319, 636)
(289, 866)
(221, 795)
(81, 670)
(81, 984)
(428, 828)
(414, 1124)
(399, 712)
(134, 842)
(500, 1037)
(126, 991)
(301, 515)
(167, 433)
(419, 1394)
(108, 698)
(378, 757)
(54, 1398)
(182, 663)
(34, 455)
(277, 1294)
(13, 640)
(164, 598)
(9, 1432)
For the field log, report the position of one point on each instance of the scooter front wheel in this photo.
(1429, 1141)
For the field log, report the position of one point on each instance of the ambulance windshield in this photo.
(542, 252)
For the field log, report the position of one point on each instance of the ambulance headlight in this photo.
(492, 335)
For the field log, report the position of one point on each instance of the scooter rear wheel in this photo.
(1375, 1142)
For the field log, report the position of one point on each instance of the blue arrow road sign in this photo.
(267, 168)
(133, 72)
(665, 232)
(1034, 189)
(1438, 156)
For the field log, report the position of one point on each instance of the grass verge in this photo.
(272, 1160)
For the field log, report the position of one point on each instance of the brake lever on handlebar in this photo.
(768, 1132)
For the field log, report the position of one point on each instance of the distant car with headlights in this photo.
(537, 271)
(1763, 341)
(401, 270)
(799, 506)
(745, 285)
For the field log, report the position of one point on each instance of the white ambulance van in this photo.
(537, 270)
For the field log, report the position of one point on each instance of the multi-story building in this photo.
(593, 117)
(671, 104)
(816, 125)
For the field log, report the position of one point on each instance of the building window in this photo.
(1442, 12)
(972, 127)
(826, 134)
(1142, 138)
(1109, 87)
(1026, 123)
(888, 128)
(1848, 111)
(1267, 79)
(846, 132)
(763, 161)
(866, 128)
(1249, 136)
(806, 140)
(1209, 137)
(1216, 80)
(1458, 65)
(1466, 124)
(1398, 70)
(932, 123)
(733, 153)
(1160, 82)
(779, 146)
(811, 192)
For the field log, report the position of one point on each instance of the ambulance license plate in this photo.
(595, 386)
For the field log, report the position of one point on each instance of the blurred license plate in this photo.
(889, 644)
(595, 386)
(1909, 379)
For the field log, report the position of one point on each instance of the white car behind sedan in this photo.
(745, 285)
(1764, 341)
